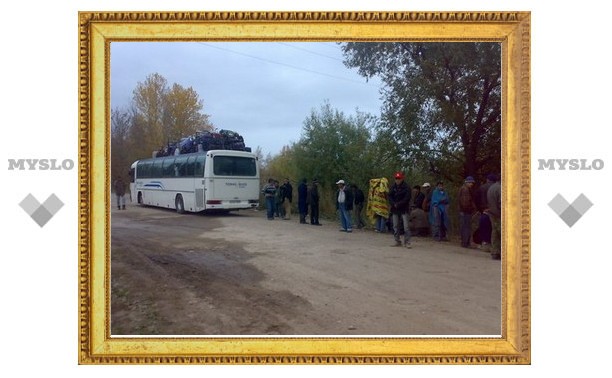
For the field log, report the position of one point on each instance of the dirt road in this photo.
(240, 274)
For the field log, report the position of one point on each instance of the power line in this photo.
(283, 64)
(308, 51)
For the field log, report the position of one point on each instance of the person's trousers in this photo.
(484, 228)
(439, 226)
(270, 207)
(380, 223)
(358, 217)
(465, 227)
(345, 217)
(314, 214)
(396, 231)
(495, 235)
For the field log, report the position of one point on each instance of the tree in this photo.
(183, 113)
(163, 114)
(332, 147)
(120, 127)
(148, 102)
(442, 103)
(158, 115)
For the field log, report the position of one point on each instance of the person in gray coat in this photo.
(495, 211)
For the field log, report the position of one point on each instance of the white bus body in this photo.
(210, 180)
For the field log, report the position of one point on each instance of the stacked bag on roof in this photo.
(205, 141)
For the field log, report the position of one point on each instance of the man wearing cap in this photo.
(484, 222)
(426, 188)
(344, 203)
(466, 211)
(399, 199)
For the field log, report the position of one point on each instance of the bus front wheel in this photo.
(180, 206)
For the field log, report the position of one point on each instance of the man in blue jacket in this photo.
(438, 215)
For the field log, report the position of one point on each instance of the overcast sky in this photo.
(262, 90)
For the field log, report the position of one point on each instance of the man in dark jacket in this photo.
(313, 201)
(495, 212)
(399, 199)
(359, 200)
(484, 222)
(466, 211)
(303, 201)
(119, 188)
(287, 198)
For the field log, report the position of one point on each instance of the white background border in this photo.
(570, 266)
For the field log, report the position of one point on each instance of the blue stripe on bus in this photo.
(154, 184)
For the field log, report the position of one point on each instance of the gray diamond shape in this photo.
(41, 216)
(570, 216)
(29, 204)
(570, 213)
(582, 204)
(558, 204)
(53, 204)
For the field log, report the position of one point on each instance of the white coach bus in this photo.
(211, 180)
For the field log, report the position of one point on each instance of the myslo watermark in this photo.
(570, 164)
(40, 164)
(570, 213)
(41, 213)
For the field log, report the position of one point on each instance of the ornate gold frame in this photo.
(98, 29)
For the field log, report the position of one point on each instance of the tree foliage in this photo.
(120, 129)
(183, 113)
(159, 114)
(442, 103)
(165, 114)
(333, 146)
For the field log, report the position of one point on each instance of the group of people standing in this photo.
(426, 211)
(308, 202)
(278, 199)
(398, 207)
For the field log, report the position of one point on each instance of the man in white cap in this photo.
(426, 188)
(344, 203)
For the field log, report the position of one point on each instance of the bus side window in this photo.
(156, 168)
(168, 168)
(190, 166)
(181, 166)
(199, 166)
(140, 169)
(143, 170)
